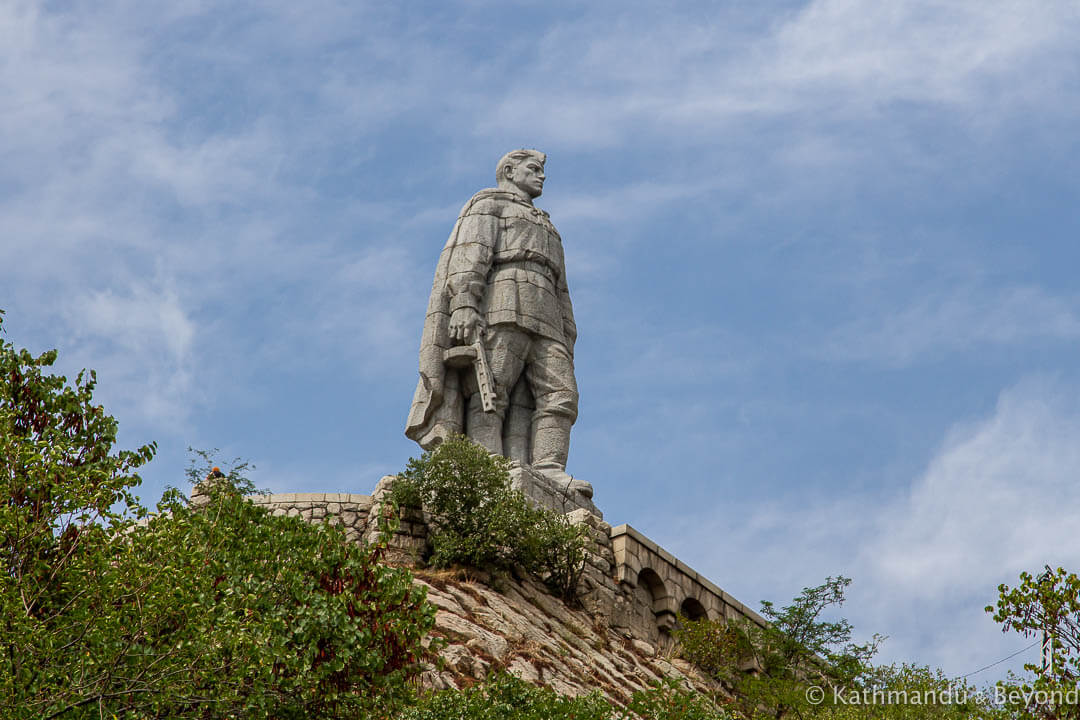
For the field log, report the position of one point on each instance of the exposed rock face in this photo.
(524, 630)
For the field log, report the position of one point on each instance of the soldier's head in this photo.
(523, 170)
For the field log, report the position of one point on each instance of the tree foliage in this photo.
(290, 619)
(480, 521)
(669, 699)
(907, 692)
(505, 697)
(68, 499)
(770, 667)
(222, 611)
(801, 665)
(1044, 606)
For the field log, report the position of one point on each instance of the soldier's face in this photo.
(528, 176)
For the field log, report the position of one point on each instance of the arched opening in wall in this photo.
(649, 580)
(692, 609)
(660, 597)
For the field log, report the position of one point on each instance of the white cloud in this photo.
(914, 50)
(956, 320)
(618, 205)
(1000, 496)
(142, 319)
(692, 73)
(143, 342)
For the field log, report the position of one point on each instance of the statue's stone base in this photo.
(548, 493)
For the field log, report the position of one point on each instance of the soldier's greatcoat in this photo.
(505, 259)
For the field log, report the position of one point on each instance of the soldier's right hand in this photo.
(465, 324)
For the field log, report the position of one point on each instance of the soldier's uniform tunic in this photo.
(507, 263)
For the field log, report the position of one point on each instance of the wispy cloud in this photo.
(916, 50)
(142, 341)
(624, 202)
(999, 496)
(832, 60)
(956, 320)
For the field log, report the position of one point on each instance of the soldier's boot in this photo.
(550, 447)
(484, 428)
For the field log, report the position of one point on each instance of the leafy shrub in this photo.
(67, 496)
(220, 612)
(716, 646)
(554, 548)
(670, 700)
(292, 620)
(505, 697)
(795, 649)
(480, 521)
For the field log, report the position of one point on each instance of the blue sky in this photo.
(822, 257)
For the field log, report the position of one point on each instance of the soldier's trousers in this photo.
(549, 370)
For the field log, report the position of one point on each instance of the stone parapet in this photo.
(667, 585)
(348, 510)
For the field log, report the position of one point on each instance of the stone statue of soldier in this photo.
(497, 353)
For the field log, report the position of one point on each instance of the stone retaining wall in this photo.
(665, 586)
(348, 510)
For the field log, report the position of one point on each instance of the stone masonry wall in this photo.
(348, 510)
(353, 512)
(667, 586)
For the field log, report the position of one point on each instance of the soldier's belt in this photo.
(537, 267)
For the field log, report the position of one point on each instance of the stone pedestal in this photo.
(547, 493)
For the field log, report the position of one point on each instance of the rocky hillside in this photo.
(523, 629)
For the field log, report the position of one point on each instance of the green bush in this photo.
(480, 521)
(219, 612)
(293, 619)
(505, 697)
(717, 647)
(669, 699)
(795, 649)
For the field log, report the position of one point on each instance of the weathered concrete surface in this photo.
(667, 584)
